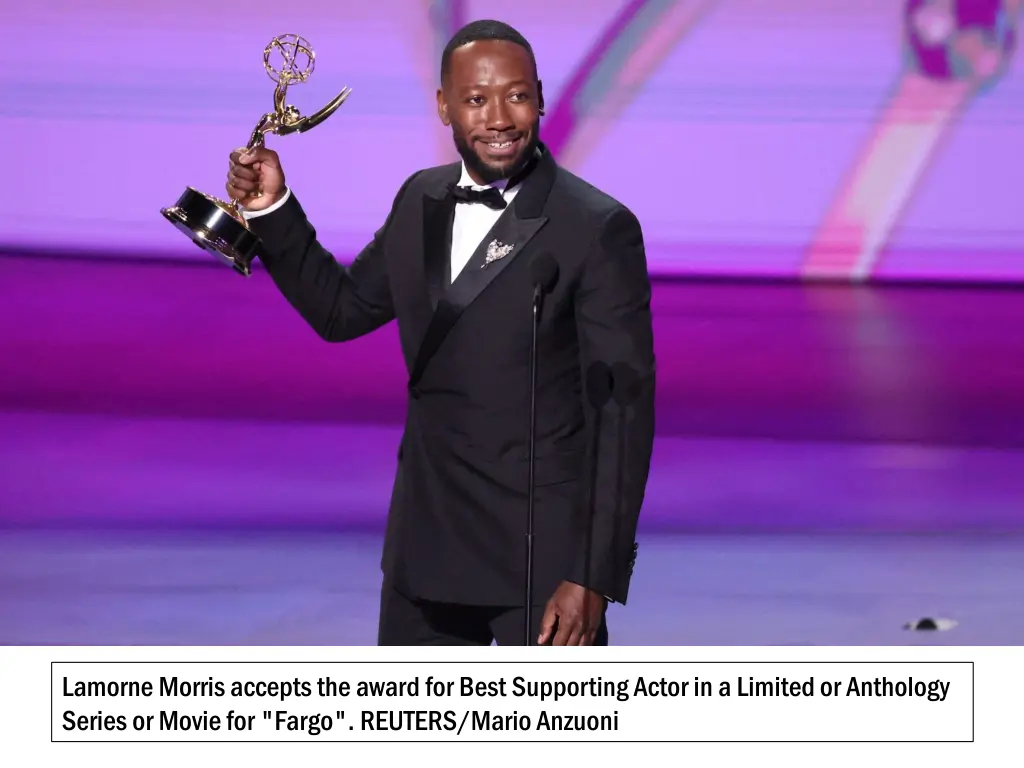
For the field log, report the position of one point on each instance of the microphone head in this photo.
(544, 272)
(599, 384)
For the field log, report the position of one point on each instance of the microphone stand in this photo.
(531, 481)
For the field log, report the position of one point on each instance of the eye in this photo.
(475, 100)
(519, 96)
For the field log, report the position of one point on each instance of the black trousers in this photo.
(414, 622)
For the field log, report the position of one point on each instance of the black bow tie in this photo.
(490, 197)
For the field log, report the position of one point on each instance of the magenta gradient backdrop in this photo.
(150, 390)
(731, 151)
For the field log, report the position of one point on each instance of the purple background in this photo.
(141, 388)
(731, 150)
(831, 461)
(154, 392)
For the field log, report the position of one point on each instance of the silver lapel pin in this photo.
(496, 250)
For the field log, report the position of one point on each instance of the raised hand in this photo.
(255, 178)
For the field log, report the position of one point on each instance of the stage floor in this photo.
(280, 588)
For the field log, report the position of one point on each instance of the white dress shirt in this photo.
(472, 220)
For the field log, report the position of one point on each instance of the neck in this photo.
(480, 181)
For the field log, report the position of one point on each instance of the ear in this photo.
(540, 96)
(442, 108)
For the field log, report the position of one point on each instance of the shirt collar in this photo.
(467, 181)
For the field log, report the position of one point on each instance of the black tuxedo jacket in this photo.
(457, 520)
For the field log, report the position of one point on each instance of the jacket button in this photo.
(414, 393)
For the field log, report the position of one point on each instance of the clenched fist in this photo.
(255, 178)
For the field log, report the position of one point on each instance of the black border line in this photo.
(510, 741)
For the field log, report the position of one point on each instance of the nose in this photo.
(498, 116)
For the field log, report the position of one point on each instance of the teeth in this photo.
(501, 145)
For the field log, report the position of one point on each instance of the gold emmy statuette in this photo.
(216, 225)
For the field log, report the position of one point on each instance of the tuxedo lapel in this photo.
(508, 238)
(438, 218)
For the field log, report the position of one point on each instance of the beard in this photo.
(492, 173)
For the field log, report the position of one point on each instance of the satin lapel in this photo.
(507, 239)
(438, 217)
(514, 230)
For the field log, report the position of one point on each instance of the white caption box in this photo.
(512, 701)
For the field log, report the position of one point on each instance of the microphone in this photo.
(543, 276)
(627, 385)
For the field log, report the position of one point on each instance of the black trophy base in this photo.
(214, 226)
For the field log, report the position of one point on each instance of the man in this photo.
(452, 264)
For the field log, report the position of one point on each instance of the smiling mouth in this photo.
(501, 148)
